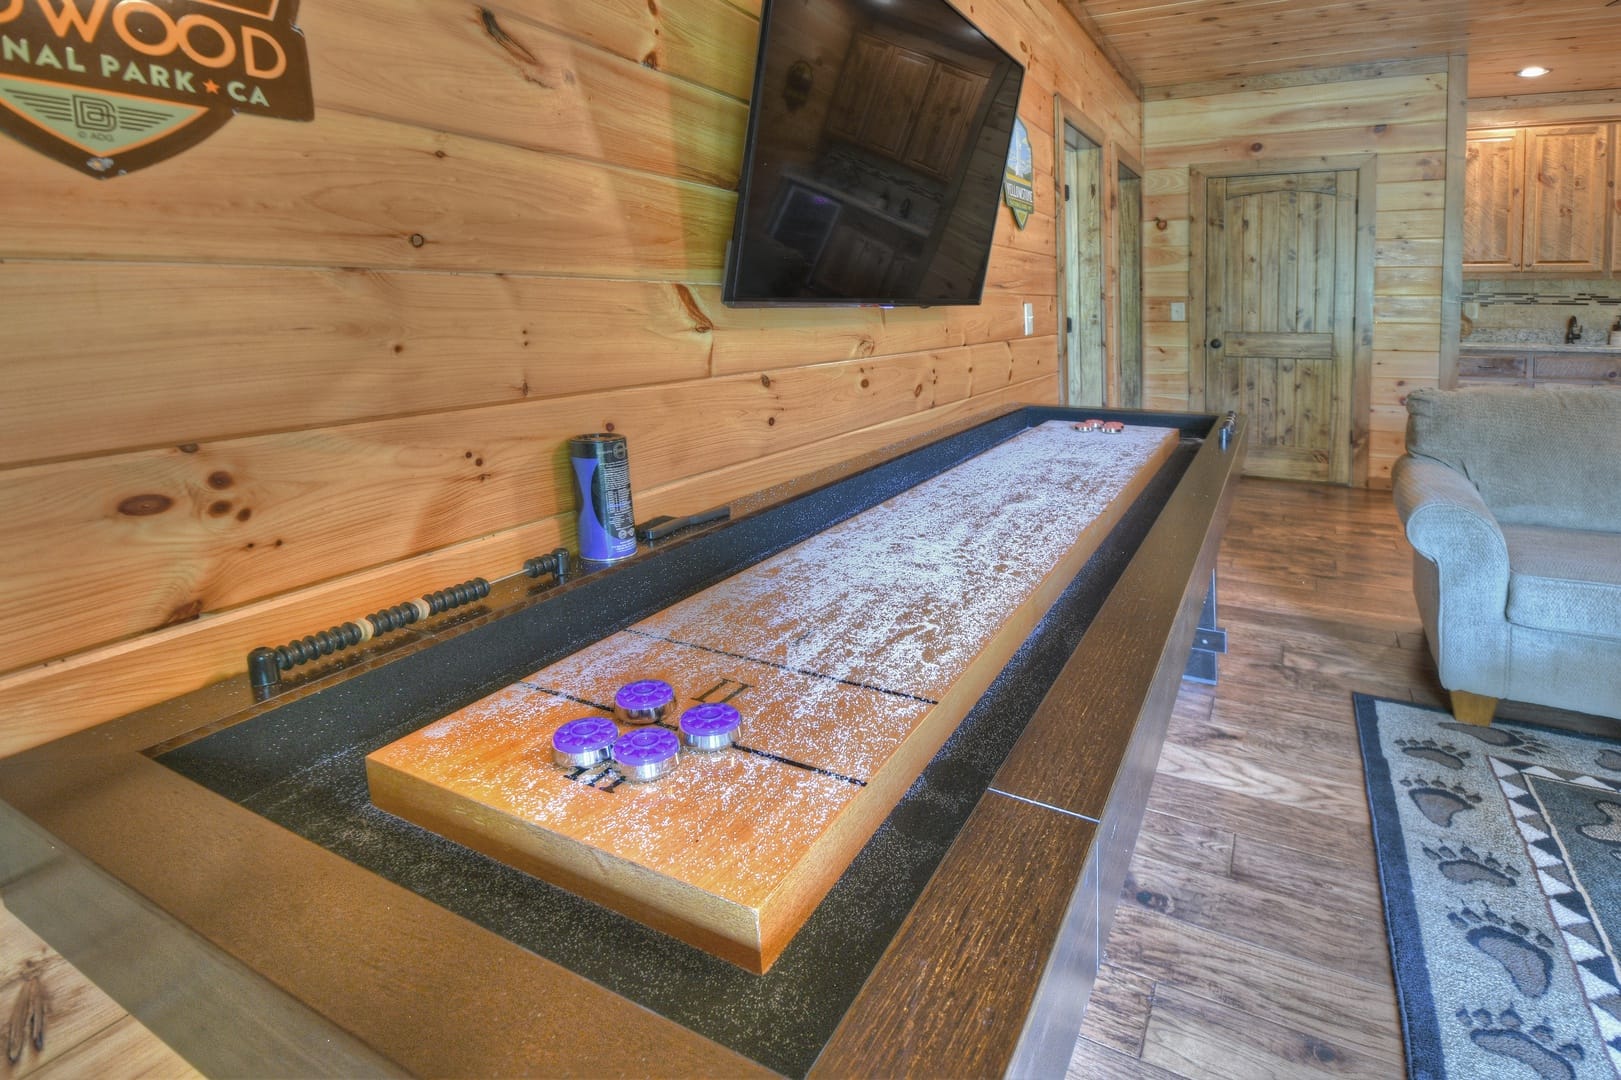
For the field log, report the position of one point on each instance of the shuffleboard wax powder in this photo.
(607, 525)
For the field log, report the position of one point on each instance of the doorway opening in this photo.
(1083, 284)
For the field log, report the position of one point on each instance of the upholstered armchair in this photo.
(1511, 499)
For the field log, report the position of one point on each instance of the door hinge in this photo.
(1066, 193)
(1069, 325)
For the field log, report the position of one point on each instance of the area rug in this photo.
(1499, 854)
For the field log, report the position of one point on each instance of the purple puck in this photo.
(647, 754)
(710, 726)
(584, 742)
(644, 701)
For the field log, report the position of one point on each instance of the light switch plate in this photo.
(1179, 312)
(1029, 319)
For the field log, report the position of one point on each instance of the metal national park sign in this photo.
(110, 86)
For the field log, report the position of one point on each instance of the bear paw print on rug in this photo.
(1537, 1047)
(1440, 753)
(1466, 866)
(1438, 800)
(1525, 953)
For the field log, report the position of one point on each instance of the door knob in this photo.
(1215, 343)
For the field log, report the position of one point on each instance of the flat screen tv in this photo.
(877, 142)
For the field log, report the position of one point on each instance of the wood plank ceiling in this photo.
(1163, 43)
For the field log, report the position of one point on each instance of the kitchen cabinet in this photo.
(1494, 203)
(904, 104)
(1533, 367)
(1567, 199)
(1539, 200)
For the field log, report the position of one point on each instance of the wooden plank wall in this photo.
(306, 370)
(1400, 116)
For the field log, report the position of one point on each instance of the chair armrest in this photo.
(1441, 509)
(1461, 576)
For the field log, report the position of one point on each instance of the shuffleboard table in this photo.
(954, 660)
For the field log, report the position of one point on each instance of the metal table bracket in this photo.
(1209, 641)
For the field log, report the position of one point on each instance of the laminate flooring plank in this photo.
(1190, 1036)
(1270, 959)
(1308, 876)
(1237, 772)
(1325, 932)
(1253, 815)
(1260, 982)
(1095, 1062)
(1117, 1011)
(1187, 843)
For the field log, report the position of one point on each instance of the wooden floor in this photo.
(1249, 941)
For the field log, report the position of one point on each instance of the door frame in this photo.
(1115, 335)
(1064, 112)
(1366, 168)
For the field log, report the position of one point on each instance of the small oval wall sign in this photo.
(1018, 183)
(109, 87)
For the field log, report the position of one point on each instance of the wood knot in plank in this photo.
(186, 612)
(145, 505)
(529, 65)
(700, 321)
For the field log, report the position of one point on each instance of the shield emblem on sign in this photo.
(109, 88)
(1018, 182)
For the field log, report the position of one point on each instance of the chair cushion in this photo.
(1549, 456)
(1564, 580)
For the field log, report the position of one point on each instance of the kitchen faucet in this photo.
(1573, 331)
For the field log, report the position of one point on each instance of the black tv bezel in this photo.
(729, 274)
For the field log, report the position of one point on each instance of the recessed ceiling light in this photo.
(1532, 72)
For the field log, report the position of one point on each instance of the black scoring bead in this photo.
(457, 595)
(324, 643)
(390, 619)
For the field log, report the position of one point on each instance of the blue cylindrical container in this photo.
(602, 482)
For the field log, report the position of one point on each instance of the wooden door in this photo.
(1083, 285)
(1494, 200)
(1567, 198)
(1280, 292)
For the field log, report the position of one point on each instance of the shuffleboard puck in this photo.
(581, 743)
(1089, 425)
(644, 701)
(1113, 427)
(647, 754)
(710, 726)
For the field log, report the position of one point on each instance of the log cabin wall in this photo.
(303, 371)
(1401, 116)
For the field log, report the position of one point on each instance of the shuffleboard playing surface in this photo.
(852, 657)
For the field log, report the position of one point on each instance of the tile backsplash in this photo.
(1514, 309)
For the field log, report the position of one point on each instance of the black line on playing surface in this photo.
(800, 765)
(739, 746)
(781, 667)
(567, 697)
